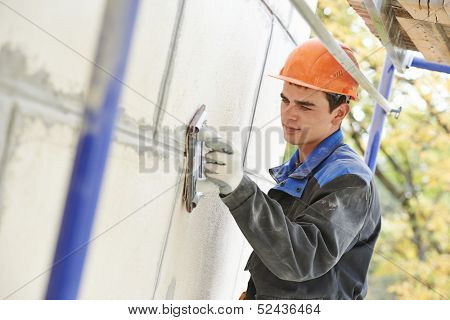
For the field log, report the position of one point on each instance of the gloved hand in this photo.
(223, 163)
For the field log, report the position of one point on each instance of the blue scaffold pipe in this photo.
(379, 115)
(92, 150)
(432, 66)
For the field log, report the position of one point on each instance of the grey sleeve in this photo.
(307, 247)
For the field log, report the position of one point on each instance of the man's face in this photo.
(305, 115)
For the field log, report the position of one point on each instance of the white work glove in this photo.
(223, 164)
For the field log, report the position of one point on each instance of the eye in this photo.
(286, 101)
(303, 107)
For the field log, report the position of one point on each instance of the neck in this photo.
(305, 150)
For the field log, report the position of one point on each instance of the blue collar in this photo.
(321, 152)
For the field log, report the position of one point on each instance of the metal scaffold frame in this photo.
(382, 105)
(92, 150)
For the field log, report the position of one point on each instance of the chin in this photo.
(298, 141)
(292, 139)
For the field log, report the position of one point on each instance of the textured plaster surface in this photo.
(145, 245)
(266, 144)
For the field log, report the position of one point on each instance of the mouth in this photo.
(288, 129)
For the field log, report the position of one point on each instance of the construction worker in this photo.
(314, 232)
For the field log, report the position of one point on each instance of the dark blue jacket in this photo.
(313, 234)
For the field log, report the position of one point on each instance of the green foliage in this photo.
(412, 255)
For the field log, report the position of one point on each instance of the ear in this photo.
(339, 113)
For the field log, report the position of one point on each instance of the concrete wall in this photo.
(184, 53)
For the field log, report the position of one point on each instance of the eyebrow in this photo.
(302, 102)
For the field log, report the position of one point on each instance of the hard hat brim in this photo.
(304, 84)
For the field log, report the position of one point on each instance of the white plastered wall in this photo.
(184, 54)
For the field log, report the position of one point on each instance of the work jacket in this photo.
(314, 233)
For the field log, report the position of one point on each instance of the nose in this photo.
(289, 113)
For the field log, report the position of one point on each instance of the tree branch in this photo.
(439, 121)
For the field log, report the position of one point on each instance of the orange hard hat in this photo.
(312, 65)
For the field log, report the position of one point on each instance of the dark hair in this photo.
(335, 100)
